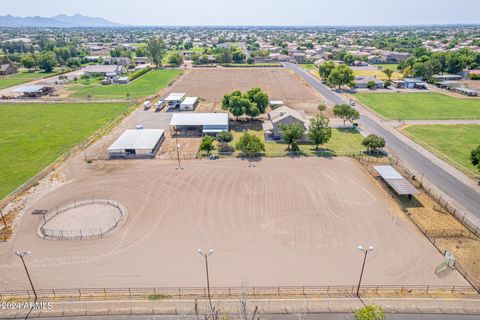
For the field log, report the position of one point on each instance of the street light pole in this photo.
(365, 251)
(206, 255)
(22, 255)
(178, 154)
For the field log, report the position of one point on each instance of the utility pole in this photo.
(206, 255)
(178, 154)
(360, 248)
(22, 255)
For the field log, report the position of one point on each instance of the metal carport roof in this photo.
(395, 180)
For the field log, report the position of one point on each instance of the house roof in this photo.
(29, 89)
(395, 180)
(199, 119)
(284, 112)
(100, 68)
(367, 80)
(4, 67)
(137, 139)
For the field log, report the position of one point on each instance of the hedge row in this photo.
(140, 73)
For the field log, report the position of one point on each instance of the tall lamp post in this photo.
(178, 154)
(206, 255)
(22, 255)
(365, 251)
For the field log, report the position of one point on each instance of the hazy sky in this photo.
(257, 12)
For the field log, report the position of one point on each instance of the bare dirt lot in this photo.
(279, 83)
(284, 222)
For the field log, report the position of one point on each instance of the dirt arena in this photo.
(279, 83)
(284, 222)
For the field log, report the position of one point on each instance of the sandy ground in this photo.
(284, 222)
(279, 83)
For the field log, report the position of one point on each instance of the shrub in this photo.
(139, 73)
(225, 136)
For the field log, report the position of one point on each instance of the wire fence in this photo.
(154, 293)
(432, 234)
(85, 233)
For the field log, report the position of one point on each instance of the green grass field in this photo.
(411, 106)
(34, 135)
(22, 77)
(391, 66)
(343, 141)
(146, 85)
(450, 142)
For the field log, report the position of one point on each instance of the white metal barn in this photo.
(189, 104)
(199, 123)
(175, 99)
(137, 143)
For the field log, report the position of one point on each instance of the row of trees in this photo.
(222, 55)
(475, 157)
(253, 103)
(425, 63)
(248, 144)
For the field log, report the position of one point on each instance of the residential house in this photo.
(6, 69)
(362, 82)
(283, 116)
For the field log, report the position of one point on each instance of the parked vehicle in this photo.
(160, 105)
(147, 105)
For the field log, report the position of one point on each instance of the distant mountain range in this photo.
(60, 21)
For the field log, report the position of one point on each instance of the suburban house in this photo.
(34, 91)
(140, 60)
(199, 123)
(109, 71)
(137, 143)
(409, 83)
(6, 69)
(362, 82)
(283, 116)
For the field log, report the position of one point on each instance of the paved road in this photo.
(463, 192)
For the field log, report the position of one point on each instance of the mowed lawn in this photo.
(22, 77)
(147, 85)
(376, 73)
(343, 141)
(411, 106)
(453, 143)
(34, 135)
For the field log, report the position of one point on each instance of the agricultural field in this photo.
(450, 142)
(210, 85)
(149, 84)
(308, 214)
(420, 106)
(34, 135)
(22, 77)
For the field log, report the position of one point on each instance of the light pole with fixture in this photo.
(178, 154)
(22, 255)
(365, 251)
(206, 255)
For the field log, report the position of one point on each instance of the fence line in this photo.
(431, 234)
(158, 293)
(80, 233)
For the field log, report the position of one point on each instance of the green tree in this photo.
(346, 113)
(260, 98)
(207, 144)
(155, 49)
(27, 62)
(319, 131)
(47, 61)
(388, 72)
(325, 69)
(250, 60)
(291, 134)
(374, 312)
(175, 59)
(373, 142)
(322, 107)
(371, 84)
(224, 136)
(475, 157)
(341, 75)
(250, 145)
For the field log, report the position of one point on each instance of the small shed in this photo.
(137, 143)
(395, 180)
(174, 100)
(189, 104)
